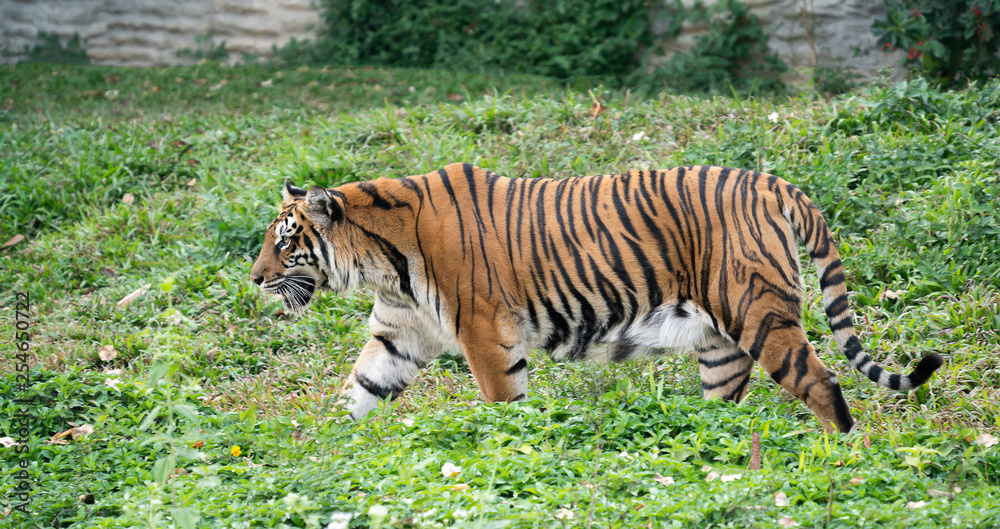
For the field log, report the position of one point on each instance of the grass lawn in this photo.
(210, 407)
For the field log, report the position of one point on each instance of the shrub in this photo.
(950, 41)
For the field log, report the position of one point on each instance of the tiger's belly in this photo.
(671, 327)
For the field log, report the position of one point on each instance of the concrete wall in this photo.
(151, 32)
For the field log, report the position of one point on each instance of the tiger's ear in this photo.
(290, 193)
(324, 207)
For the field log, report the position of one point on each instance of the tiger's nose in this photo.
(257, 279)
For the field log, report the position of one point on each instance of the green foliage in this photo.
(205, 49)
(49, 49)
(906, 175)
(732, 55)
(949, 41)
(563, 39)
(608, 41)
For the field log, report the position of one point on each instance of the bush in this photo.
(49, 49)
(606, 41)
(950, 41)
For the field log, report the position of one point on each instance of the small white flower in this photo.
(638, 136)
(773, 116)
(460, 513)
(340, 520)
(663, 480)
(269, 82)
(450, 470)
(730, 477)
(379, 512)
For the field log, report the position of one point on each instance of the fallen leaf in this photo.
(526, 449)
(179, 80)
(112, 382)
(7, 442)
(269, 82)
(192, 162)
(450, 470)
(638, 136)
(192, 182)
(986, 440)
(856, 481)
(460, 486)
(407, 422)
(81, 432)
(108, 353)
(711, 476)
(128, 199)
(564, 514)
(934, 493)
(198, 444)
(455, 97)
(781, 499)
(867, 442)
(200, 80)
(590, 486)
(915, 504)
(706, 468)
(13, 240)
(730, 477)
(787, 522)
(665, 481)
(125, 301)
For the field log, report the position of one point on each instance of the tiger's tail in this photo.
(814, 233)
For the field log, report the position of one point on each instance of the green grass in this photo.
(908, 177)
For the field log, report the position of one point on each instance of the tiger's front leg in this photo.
(400, 346)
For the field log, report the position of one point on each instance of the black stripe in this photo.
(786, 366)
(852, 347)
(708, 387)
(833, 275)
(520, 365)
(837, 306)
(377, 389)
(718, 362)
(846, 323)
(735, 393)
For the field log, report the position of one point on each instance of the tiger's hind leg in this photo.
(780, 346)
(725, 369)
(498, 360)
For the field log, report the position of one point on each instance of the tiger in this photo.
(609, 267)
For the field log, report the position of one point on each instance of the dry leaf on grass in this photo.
(915, 504)
(108, 353)
(125, 301)
(564, 514)
(663, 480)
(13, 240)
(128, 199)
(73, 433)
(787, 522)
(985, 439)
(7, 442)
(711, 476)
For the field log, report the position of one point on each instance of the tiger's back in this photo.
(606, 267)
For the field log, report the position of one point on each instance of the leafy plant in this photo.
(733, 54)
(50, 49)
(949, 41)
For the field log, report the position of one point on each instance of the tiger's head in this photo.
(297, 258)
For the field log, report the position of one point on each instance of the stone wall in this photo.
(809, 33)
(152, 32)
